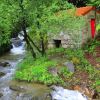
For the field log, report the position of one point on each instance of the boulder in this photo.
(2, 74)
(4, 64)
(53, 71)
(17, 88)
(70, 66)
(1, 95)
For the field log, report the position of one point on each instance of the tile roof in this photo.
(83, 10)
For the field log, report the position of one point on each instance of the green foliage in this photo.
(94, 2)
(75, 60)
(98, 27)
(94, 76)
(37, 71)
(91, 45)
(76, 55)
(84, 64)
(43, 15)
(41, 74)
(65, 72)
(61, 21)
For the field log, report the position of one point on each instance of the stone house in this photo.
(92, 17)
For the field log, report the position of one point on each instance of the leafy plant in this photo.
(37, 71)
(76, 60)
(98, 27)
(65, 72)
(90, 47)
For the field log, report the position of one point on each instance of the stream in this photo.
(11, 89)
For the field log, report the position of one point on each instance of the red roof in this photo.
(83, 10)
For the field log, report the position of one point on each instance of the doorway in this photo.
(57, 43)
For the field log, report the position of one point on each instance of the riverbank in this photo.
(62, 67)
(11, 89)
(4, 48)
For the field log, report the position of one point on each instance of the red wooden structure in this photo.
(92, 23)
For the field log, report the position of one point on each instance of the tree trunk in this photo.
(24, 28)
(41, 36)
(33, 43)
(42, 45)
(26, 39)
(31, 48)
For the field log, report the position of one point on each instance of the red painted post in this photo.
(93, 28)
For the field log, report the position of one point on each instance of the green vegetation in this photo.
(82, 64)
(38, 71)
(91, 45)
(94, 2)
(98, 27)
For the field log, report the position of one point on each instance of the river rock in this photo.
(70, 66)
(53, 71)
(2, 74)
(4, 64)
(45, 96)
(59, 93)
(17, 88)
(1, 95)
(31, 96)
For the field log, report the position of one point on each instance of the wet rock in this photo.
(2, 74)
(17, 88)
(4, 64)
(70, 66)
(25, 96)
(31, 96)
(59, 93)
(1, 95)
(53, 71)
(16, 42)
(42, 97)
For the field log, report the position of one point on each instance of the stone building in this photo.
(92, 17)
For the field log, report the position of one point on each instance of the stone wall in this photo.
(67, 41)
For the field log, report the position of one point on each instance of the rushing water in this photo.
(31, 91)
